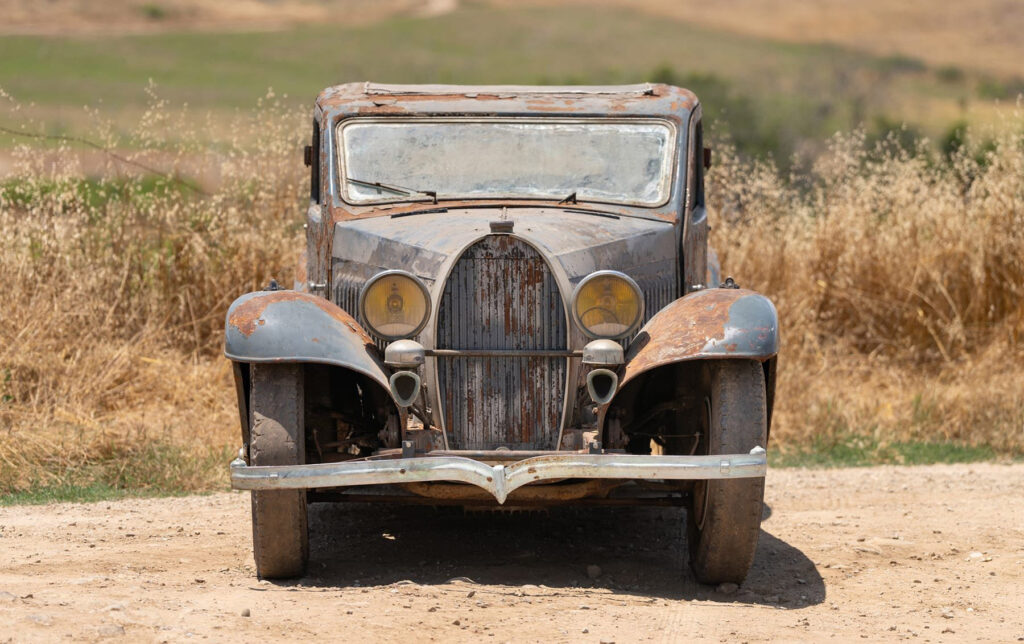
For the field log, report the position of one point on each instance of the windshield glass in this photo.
(626, 161)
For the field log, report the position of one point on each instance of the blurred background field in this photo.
(869, 177)
(772, 85)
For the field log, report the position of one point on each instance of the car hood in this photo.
(575, 242)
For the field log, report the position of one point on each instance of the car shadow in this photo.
(635, 550)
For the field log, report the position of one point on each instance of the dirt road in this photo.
(934, 553)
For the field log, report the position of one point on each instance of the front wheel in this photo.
(277, 437)
(724, 516)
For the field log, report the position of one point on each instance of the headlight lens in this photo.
(394, 305)
(608, 304)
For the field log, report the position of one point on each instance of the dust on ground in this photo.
(930, 553)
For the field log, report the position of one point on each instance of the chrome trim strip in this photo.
(499, 480)
(504, 353)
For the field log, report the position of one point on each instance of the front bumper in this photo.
(499, 480)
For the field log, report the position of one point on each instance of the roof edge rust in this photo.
(643, 89)
(646, 99)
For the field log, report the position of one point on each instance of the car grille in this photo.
(501, 295)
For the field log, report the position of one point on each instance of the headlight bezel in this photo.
(427, 304)
(637, 293)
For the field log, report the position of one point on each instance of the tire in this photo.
(724, 516)
(280, 538)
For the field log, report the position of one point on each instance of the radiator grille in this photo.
(659, 292)
(502, 295)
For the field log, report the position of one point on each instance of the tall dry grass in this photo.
(116, 288)
(898, 277)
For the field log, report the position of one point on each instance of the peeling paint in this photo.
(248, 315)
(712, 323)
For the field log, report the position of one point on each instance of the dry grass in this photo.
(117, 288)
(899, 279)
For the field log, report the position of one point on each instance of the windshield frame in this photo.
(668, 182)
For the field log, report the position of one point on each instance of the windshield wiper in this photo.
(396, 189)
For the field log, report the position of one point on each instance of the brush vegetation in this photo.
(898, 274)
(111, 329)
(899, 278)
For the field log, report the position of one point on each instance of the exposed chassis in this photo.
(500, 480)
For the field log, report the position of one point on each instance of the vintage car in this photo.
(506, 300)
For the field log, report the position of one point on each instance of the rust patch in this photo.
(681, 329)
(658, 99)
(550, 491)
(249, 314)
(383, 109)
(550, 106)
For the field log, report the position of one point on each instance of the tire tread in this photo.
(279, 525)
(723, 550)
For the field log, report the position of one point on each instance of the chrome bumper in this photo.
(499, 480)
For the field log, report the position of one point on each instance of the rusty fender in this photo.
(500, 480)
(710, 324)
(289, 326)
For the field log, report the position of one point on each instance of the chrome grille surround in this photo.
(502, 295)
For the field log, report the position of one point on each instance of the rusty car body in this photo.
(513, 304)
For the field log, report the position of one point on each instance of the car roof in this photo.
(644, 99)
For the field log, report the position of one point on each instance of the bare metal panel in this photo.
(502, 295)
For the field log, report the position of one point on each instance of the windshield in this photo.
(627, 161)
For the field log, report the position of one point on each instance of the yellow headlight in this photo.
(395, 305)
(608, 304)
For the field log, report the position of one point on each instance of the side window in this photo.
(314, 164)
(696, 187)
(694, 267)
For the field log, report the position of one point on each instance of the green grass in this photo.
(88, 493)
(770, 94)
(858, 451)
(156, 469)
(95, 194)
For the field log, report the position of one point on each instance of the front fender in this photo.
(709, 324)
(289, 326)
